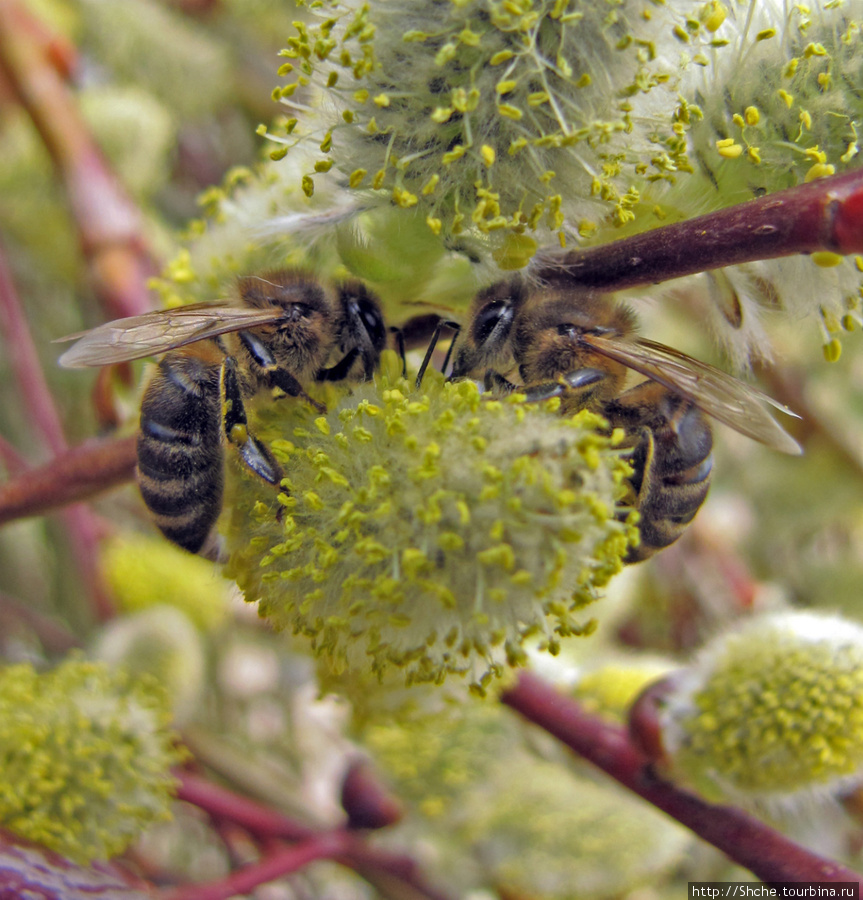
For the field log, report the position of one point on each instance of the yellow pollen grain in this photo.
(728, 149)
(825, 259)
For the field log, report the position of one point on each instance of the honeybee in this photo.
(282, 334)
(578, 344)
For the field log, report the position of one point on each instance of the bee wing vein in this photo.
(157, 332)
(720, 395)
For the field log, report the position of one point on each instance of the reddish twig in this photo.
(58, 49)
(107, 220)
(769, 855)
(24, 362)
(826, 214)
(276, 864)
(375, 866)
(75, 475)
(221, 803)
(30, 379)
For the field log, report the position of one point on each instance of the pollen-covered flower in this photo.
(474, 110)
(771, 713)
(145, 572)
(491, 117)
(431, 530)
(510, 126)
(85, 754)
(496, 814)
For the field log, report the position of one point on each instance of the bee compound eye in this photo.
(373, 321)
(489, 318)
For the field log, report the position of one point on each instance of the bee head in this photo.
(487, 343)
(299, 295)
(548, 331)
(361, 324)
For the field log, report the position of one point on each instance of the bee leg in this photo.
(284, 381)
(275, 376)
(340, 370)
(442, 323)
(579, 381)
(451, 347)
(400, 348)
(497, 384)
(672, 461)
(255, 455)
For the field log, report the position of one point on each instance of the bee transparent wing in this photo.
(720, 395)
(156, 332)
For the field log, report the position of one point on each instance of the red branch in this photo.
(378, 867)
(826, 214)
(24, 362)
(281, 861)
(769, 855)
(30, 380)
(75, 475)
(220, 803)
(108, 222)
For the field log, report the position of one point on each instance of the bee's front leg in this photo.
(576, 387)
(341, 369)
(254, 454)
(273, 375)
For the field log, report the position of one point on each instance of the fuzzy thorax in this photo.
(431, 530)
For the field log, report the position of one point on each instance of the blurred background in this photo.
(172, 94)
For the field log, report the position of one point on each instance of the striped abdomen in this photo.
(180, 456)
(673, 463)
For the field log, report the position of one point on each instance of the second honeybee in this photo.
(563, 340)
(287, 332)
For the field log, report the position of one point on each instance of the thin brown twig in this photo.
(24, 362)
(222, 803)
(108, 222)
(821, 215)
(75, 475)
(376, 866)
(769, 855)
(281, 861)
(80, 525)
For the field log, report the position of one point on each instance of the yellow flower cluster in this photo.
(432, 531)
